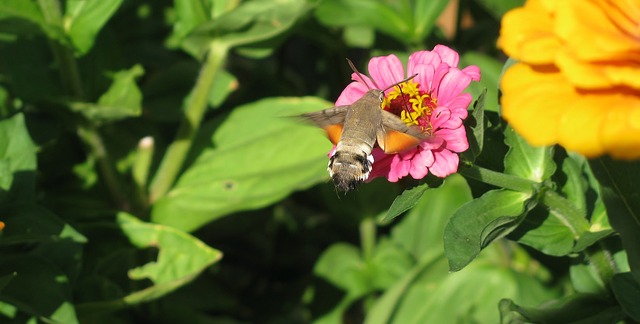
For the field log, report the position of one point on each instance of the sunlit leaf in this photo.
(582, 308)
(20, 17)
(85, 18)
(260, 155)
(17, 160)
(407, 200)
(123, 98)
(533, 163)
(481, 221)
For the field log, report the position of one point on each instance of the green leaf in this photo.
(533, 163)
(181, 257)
(38, 288)
(576, 308)
(620, 191)
(17, 160)
(475, 128)
(259, 157)
(499, 7)
(342, 266)
(223, 85)
(421, 230)
(407, 200)
(250, 23)
(123, 98)
(491, 69)
(426, 13)
(28, 223)
(481, 221)
(589, 238)
(428, 294)
(555, 229)
(627, 292)
(189, 14)
(380, 15)
(85, 18)
(20, 16)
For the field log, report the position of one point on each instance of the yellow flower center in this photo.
(413, 106)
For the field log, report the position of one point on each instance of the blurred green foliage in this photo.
(150, 171)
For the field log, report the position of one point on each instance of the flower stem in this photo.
(498, 179)
(177, 151)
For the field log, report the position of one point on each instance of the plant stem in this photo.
(498, 179)
(72, 82)
(367, 237)
(177, 151)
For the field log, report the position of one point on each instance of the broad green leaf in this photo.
(249, 23)
(576, 308)
(181, 257)
(260, 156)
(38, 288)
(429, 294)
(389, 263)
(481, 221)
(84, 19)
(627, 291)
(426, 13)
(523, 160)
(554, 229)
(575, 187)
(359, 36)
(407, 200)
(17, 160)
(19, 17)
(380, 15)
(123, 98)
(620, 191)
(421, 230)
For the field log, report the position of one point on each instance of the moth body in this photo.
(355, 129)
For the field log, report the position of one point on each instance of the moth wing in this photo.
(331, 120)
(395, 136)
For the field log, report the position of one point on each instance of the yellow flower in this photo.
(577, 80)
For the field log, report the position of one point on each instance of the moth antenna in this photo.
(400, 82)
(353, 67)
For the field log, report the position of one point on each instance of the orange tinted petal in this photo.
(580, 126)
(526, 34)
(621, 136)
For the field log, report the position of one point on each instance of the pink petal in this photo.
(432, 143)
(422, 58)
(398, 169)
(447, 55)
(420, 164)
(445, 163)
(455, 139)
(381, 164)
(458, 106)
(472, 71)
(386, 70)
(439, 116)
(350, 94)
(440, 72)
(452, 85)
(424, 77)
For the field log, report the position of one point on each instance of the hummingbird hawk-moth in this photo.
(356, 128)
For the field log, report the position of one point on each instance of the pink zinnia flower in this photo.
(433, 100)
